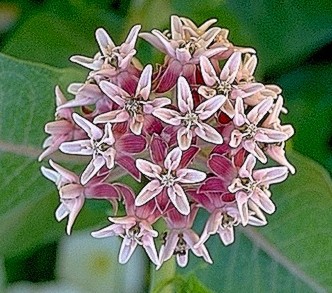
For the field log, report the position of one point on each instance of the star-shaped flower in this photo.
(132, 108)
(169, 178)
(190, 120)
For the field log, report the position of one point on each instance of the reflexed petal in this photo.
(130, 143)
(173, 159)
(61, 212)
(127, 248)
(263, 201)
(221, 166)
(158, 149)
(169, 77)
(168, 116)
(149, 191)
(78, 147)
(208, 72)
(188, 156)
(208, 133)
(147, 168)
(144, 83)
(92, 130)
(206, 109)
(115, 116)
(128, 163)
(184, 96)
(213, 184)
(179, 199)
(184, 137)
(66, 175)
(92, 169)
(190, 176)
(150, 248)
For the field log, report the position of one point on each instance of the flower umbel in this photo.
(196, 146)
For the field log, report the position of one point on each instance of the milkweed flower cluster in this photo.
(192, 131)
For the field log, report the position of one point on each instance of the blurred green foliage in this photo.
(293, 40)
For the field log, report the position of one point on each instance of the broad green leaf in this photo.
(307, 92)
(27, 200)
(293, 253)
(59, 31)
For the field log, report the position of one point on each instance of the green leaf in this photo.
(27, 200)
(307, 91)
(59, 31)
(293, 253)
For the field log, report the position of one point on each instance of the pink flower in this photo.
(247, 133)
(73, 194)
(252, 186)
(132, 108)
(183, 49)
(181, 238)
(88, 94)
(224, 84)
(169, 179)
(60, 130)
(189, 119)
(135, 228)
(102, 146)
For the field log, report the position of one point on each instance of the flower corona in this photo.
(191, 132)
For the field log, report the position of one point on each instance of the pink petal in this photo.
(126, 250)
(213, 184)
(173, 159)
(136, 125)
(150, 248)
(206, 109)
(154, 41)
(66, 175)
(179, 199)
(117, 94)
(239, 118)
(128, 164)
(222, 167)
(176, 28)
(227, 235)
(130, 143)
(231, 67)
(271, 175)
(87, 62)
(109, 157)
(208, 133)
(236, 138)
(270, 135)
(156, 103)
(184, 96)
(92, 169)
(104, 41)
(109, 231)
(78, 147)
(75, 207)
(168, 116)
(101, 191)
(242, 203)
(190, 176)
(183, 55)
(92, 130)
(199, 250)
(71, 191)
(158, 149)
(263, 201)
(208, 72)
(184, 137)
(251, 146)
(147, 168)
(149, 191)
(259, 111)
(131, 39)
(144, 83)
(61, 212)
(246, 90)
(167, 250)
(188, 156)
(114, 116)
(170, 50)
(247, 167)
(169, 77)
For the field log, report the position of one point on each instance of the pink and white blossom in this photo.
(135, 228)
(73, 193)
(248, 133)
(180, 238)
(169, 179)
(132, 108)
(190, 120)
